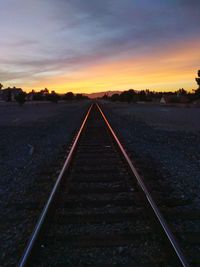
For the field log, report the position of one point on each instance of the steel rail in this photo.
(150, 200)
(25, 257)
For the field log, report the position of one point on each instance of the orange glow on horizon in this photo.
(163, 70)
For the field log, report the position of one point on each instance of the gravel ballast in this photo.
(164, 143)
(34, 143)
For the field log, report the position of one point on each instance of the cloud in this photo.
(44, 38)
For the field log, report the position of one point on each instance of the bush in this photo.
(81, 97)
(128, 96)
(21, 98)
(53, 97)
(115, 97)
(69, 96)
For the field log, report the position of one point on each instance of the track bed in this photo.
(100, 216)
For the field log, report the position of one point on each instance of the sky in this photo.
(92, 45)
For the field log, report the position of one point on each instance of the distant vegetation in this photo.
(18, 95)
(180, 96)
(152, 96)
(53, 96)
(21, 98)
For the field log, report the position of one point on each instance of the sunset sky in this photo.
(97, 45)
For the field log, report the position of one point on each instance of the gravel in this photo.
(173, 152)
(164, 143)
(34, 143)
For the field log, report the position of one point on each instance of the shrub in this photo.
(21, 98)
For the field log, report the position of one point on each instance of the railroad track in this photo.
(100, 212)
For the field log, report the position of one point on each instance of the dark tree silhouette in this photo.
(197, 91)
(198, 79)
(128, 96)
(182, 92)
(142, 95)
(21, 98)
(69, 96)
(45, 91)
(105, 97)
(38, 96)
(1, 86)
(146, 96)
(115, 97)
(53, 97)
(81, 97)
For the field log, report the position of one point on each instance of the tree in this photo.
(105, 97)
(198, 79)
(53, 97)
(142, 95)
(21, 98)
(114, 97)
(1, 86)
(69, 96)
(128, 96)
(38, 96)
(45, 91)
(182, 92)
(81, 97)
(197, 92)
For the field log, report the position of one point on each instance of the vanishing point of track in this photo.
(100, 212)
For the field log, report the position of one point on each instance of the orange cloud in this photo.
(168, 69)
